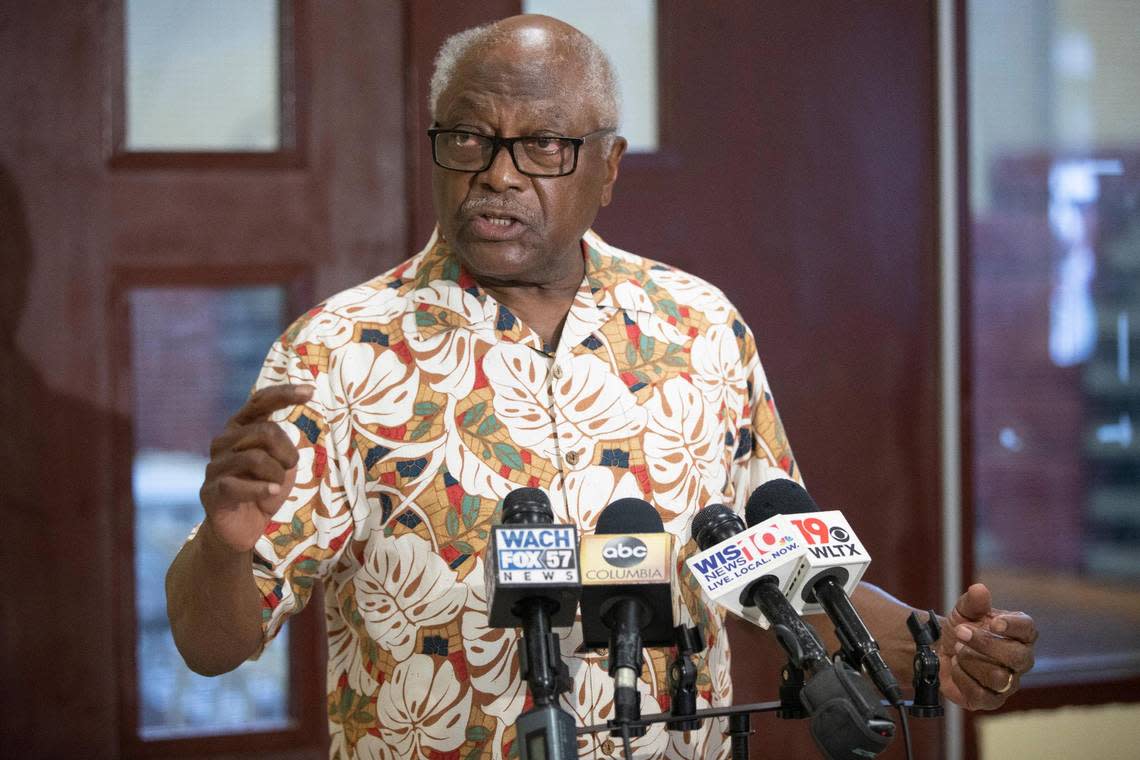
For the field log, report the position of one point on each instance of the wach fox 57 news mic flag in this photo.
(533, 582)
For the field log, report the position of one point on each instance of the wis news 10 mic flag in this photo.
(772, 549)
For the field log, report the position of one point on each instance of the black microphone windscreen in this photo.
(713, 521)
(527, 505)
(629, 515)
(778, 497)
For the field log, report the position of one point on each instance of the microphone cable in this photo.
(625, 741)
(905, 730)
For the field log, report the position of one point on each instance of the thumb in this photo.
(973, 605)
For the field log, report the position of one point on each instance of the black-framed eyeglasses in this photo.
(534, 155)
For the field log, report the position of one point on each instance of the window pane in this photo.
(202, 75)
(195, 354)
(1055, 206)
(627, 31)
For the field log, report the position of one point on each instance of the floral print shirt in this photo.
(432, 402)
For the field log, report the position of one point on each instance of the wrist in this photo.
(214, 546)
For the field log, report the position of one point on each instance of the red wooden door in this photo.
(87, 226)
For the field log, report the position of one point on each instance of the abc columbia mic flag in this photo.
(627, 564)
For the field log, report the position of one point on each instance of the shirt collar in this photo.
(613, 280)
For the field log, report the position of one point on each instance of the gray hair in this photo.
(597, 77)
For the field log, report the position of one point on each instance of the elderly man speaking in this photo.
(517, 349)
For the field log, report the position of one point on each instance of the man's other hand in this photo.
(984, 651)
(252, 468)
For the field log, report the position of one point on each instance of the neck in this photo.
(541, 306)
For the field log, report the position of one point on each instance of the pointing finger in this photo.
(268, 400)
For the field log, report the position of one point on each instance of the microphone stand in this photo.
(791, 684)
(545, 732)
(927, 700)
(738, 733)
(737, 728)
(926, 703)
(539, 653)
(683, 703)
(738, 721)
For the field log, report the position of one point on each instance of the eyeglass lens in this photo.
(547, 156)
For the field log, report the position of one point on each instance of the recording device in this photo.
(533, 582)
(546, 733)
(833, 563)
(847, 720)
(627, 569)
(745, 570)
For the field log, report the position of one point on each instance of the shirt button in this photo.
(572, 457)
(557, 372)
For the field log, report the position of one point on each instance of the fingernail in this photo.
(1000, 625)
(959, 647)
(273, 489)
(964, 632)
(305, 391)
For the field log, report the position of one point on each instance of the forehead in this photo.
(522, 84)
(495, 108)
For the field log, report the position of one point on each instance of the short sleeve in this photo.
(307, 536)
(763, 452)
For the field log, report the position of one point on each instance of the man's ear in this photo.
(617, 150)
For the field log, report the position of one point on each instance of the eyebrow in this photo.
(550, 116)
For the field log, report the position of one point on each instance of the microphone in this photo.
(835, 561)
(531, 563)
(745, 570)
(627, 569)
(533, 582)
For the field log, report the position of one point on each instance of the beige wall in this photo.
(1108, 732)
(1060, 75)
(1100, 108)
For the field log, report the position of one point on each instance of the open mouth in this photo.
(495, 227)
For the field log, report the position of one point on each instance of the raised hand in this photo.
(252, 468)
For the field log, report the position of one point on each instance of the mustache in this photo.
(492, 206)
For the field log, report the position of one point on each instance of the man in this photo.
(517, 349)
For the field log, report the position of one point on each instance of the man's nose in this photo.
(502, 174)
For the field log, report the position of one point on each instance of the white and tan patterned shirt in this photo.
(432, 402)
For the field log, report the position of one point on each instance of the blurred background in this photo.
(929, 213)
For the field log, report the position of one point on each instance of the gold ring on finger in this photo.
(1008, 685)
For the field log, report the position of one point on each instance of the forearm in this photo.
(213, 604)
(885, 616)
